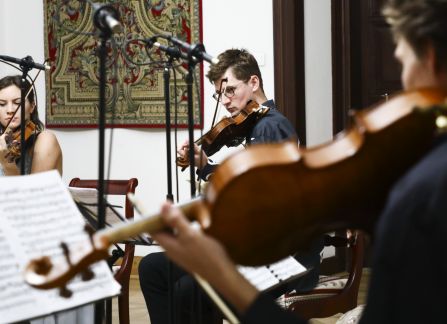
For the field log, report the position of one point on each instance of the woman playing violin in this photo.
(42, 148)
(409, 264)
(43, 154)
(237, 80)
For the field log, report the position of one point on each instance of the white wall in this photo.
(317, 24)
(141, 153)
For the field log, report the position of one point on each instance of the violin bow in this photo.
(185, 161)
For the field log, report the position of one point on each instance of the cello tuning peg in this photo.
(65, 292)
(87, 274)
(66, 252)
(90, 231)
(42, 266)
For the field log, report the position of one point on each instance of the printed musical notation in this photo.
(37, 213)
(269, 276)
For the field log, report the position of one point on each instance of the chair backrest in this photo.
(323, 302)
(118, 187)
(111, 187)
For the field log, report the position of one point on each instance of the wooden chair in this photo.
(118, 187)
(325, 302)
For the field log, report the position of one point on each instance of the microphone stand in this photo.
(99, 306)
(194, 55)
(189, 80)
(189, 90)
(166, 79)
(101, 21)
(169, 196)
(25, 68)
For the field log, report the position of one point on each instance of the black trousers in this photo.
(191, 303)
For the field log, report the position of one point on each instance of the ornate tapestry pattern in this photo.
(135, 89)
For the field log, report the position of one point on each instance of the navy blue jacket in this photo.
(273, 127)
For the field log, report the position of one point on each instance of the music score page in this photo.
(37, 213)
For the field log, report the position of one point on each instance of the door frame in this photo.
(288, 43)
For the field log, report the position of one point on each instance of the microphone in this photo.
(150, 41)
(106, 18)
(26, 62)
(197, 50)
(173, 52)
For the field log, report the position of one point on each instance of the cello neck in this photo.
(150, 224)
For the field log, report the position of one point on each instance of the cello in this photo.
(259, 226)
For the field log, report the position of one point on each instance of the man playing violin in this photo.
(42, 148)
(237, 80)
(409, 264)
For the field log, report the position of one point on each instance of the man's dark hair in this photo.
(243, 65)
(420, 22)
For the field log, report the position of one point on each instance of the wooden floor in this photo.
(137, 306)
(139, 314)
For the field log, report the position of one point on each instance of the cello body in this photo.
(271, 200)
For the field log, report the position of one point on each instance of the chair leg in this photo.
(123, 305)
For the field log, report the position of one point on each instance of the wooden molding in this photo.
(288, 42)
(341, 67)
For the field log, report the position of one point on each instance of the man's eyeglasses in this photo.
(227, 92)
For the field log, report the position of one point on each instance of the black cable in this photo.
(175, 131)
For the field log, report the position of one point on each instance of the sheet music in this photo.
(89, 196)
(37, 213)
(267, 277)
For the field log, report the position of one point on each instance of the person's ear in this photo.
(254, 82)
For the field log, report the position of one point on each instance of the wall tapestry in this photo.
(134, 89)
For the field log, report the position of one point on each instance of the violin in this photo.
(338, 185)
(229, 131)
(12, 140)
